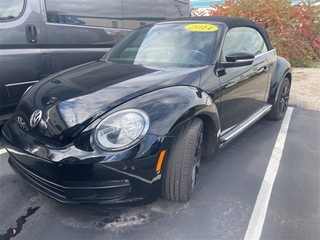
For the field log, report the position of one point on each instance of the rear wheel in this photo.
(280, 107)
(182, 166)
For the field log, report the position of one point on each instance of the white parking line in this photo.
(2, 151)
(260, 209)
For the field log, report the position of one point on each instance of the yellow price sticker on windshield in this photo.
(201, 27)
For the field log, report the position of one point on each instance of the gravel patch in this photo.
(305, 89)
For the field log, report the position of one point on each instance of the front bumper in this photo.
(94, 180)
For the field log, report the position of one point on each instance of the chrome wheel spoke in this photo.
(284, 99)
(281, 108)
(197, 160)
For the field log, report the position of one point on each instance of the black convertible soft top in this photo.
(233, 22)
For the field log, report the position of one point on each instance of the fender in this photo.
(168, 108)
(281, 70)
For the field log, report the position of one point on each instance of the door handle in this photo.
(232, 83)
(31, 33)
(262, 70)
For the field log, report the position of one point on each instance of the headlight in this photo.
(121, 130)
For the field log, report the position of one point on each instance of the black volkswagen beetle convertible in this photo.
(136, 123)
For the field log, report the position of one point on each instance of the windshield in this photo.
(166, 45)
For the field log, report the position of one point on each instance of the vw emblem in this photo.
(35, 118)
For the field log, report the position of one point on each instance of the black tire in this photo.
(280, 107)
(182, 166)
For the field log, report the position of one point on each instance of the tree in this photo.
(294, 30)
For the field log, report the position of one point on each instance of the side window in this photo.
(100, 13)
(11, 9)
(244, 39)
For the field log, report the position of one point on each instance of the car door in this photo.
(243, 89)
(20, 41)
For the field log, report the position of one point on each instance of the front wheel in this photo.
(182, 166)
(280, 107)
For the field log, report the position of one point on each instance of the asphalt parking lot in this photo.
(231, 195)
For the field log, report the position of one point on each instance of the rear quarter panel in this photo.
(282, 69)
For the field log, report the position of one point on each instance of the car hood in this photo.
(70, 101)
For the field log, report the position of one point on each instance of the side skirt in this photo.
(230, 135)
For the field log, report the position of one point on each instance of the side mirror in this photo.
(238, 59)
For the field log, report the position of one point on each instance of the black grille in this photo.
(69, 192)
